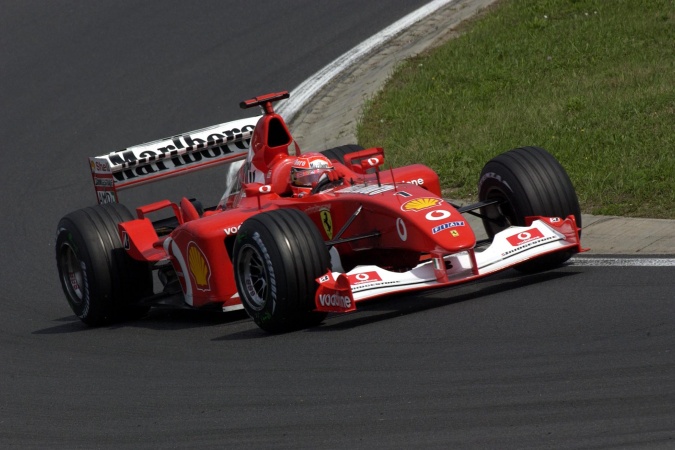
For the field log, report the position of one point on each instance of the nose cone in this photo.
(453, 233)
(440, 222)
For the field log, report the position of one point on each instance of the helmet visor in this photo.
(307, 177)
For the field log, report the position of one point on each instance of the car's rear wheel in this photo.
(278, 255)
(527, 181)
(338, 153)
(101, 282)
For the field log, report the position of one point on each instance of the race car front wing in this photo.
(339, 292)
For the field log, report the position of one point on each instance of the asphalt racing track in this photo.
(578, 357)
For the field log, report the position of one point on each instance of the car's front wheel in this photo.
(278, 255)
(527, 181)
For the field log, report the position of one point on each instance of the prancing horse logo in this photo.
(327, 222)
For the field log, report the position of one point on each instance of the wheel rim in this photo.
(72, 273)
(253, 276)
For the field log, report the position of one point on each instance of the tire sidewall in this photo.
(498, 181)
(112, 281)
(93, 307)
(338, 153)
(292, 251)
(532, 183)
(251, 239)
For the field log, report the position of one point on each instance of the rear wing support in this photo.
(170, 157)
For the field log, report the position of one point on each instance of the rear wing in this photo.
(170, 157)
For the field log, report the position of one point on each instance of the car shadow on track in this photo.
(401, 305)
(156, 319)
(390, 307)
(373, 311)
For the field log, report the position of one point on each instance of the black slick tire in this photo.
(529, 181)
(101, 282)
(338, 153)
(277, 256)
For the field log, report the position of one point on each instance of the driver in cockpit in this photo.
(310, 169)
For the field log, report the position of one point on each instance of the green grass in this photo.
(593, 82)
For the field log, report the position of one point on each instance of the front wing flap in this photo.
(339, 292)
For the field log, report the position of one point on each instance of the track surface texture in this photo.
(579, 357)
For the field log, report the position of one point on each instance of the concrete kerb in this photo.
(611, 235)
(329, 119)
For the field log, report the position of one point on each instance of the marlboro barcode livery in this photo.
(298, 235)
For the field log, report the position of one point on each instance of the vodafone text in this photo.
(341, 301)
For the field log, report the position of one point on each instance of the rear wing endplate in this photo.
(170, 157)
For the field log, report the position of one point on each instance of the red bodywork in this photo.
(392, 218)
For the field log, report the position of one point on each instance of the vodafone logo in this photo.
(373, 162)
(401, 229)
(524, 236)
(438, 214)
(266, 189)
(335, 300)
(364, 277)
(231, 230)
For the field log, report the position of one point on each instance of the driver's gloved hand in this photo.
(332, 175)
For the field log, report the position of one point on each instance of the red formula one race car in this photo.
(299, 235)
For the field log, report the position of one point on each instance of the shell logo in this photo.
(419, 204)
(198, 267)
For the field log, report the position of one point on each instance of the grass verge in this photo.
(593, 82)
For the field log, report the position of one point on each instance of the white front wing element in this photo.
(509, 248)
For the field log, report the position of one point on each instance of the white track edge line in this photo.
(623, 261)
(308, 88)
